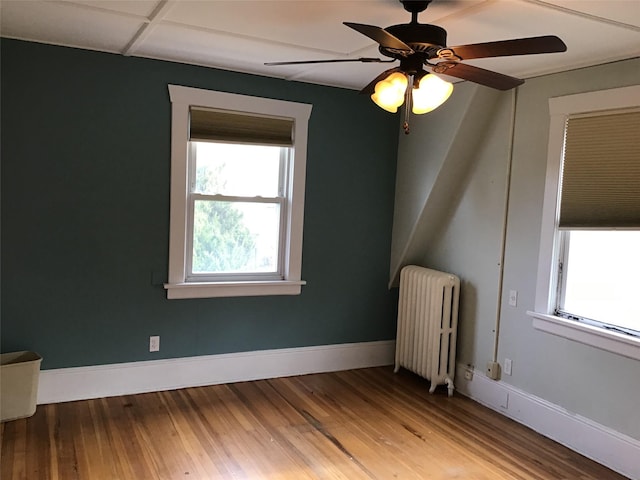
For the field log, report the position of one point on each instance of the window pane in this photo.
(235, 237)
(237, 170)
(602, 280)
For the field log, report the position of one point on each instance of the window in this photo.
(590, 238)
(598, 279)
(236, 206)
(237, 193)
(599, 221)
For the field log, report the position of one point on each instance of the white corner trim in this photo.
(81, 383)
(602, 444)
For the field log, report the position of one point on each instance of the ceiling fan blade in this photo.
(381, 36)
(371, 87)
(484, 77)
(336, 60)
(505, 48)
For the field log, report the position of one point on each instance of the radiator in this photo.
(427, 324)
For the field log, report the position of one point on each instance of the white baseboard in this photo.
(81, 383)
(608, 447)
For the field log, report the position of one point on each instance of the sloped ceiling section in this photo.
(430, 170)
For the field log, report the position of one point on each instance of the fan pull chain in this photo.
(407, 110)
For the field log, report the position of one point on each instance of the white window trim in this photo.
(181, 99)
(543, 319)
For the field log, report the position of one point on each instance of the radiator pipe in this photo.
(503, 242)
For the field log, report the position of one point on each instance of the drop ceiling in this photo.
(242, 35)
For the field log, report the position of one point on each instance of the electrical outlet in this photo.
(154, 343)
(468, 374)
(507, 366)
(513, 298)
(493, 370)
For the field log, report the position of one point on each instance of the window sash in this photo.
(564, 243)
(281, 200)
(277, 274)
(562, 274)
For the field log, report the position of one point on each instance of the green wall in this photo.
(85, 215)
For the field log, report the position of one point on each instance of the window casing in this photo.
(555, 237)
(284, 278)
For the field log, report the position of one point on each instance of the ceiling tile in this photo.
(623, 11)
(350, 76)
(205, 47)
(64, 24)
(496, 22)
(307, 24)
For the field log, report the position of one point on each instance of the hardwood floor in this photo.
(360, 424)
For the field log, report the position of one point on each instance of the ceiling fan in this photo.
(417, 45)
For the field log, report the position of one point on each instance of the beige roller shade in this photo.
(223, 126)
(601, 173)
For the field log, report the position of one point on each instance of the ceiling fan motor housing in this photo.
(423, 38)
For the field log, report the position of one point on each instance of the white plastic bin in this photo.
(19, 373)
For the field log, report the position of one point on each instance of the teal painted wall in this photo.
(85, 215)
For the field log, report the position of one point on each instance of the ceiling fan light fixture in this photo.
(430, 93)
(418, 44)
(389, 93)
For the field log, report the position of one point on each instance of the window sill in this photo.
(614, 342)
(232, 289)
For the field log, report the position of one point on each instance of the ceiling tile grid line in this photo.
(92, 7)
(156, 17)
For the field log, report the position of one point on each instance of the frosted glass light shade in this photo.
(389, 93)
(431, 92)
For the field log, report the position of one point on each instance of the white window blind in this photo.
(601, 173)
(233, 127)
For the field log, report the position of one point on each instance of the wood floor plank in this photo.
(368, 424)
